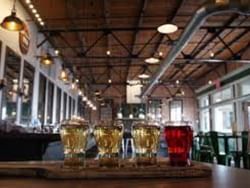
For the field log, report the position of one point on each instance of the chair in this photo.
(205, 153)
(196, 148)
(245, 149)
(218, 146)
(233, 151)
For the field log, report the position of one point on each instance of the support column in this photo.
(19, 98)
(36, 90)
(2, 65)
(67, 106)
(54, 112)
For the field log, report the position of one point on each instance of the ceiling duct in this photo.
(212, 8)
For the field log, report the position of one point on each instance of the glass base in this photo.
(109, 160)
(74, 160)
(179, 159)
(145, 159)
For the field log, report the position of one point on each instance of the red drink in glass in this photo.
(179, 140)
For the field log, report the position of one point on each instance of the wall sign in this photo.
(24, 40)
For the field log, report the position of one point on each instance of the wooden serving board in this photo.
(55, 170)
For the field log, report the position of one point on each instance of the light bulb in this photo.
(108, 52)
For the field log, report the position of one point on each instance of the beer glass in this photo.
(179, 138)
(146, 140)
(108, 136)
(74, 135)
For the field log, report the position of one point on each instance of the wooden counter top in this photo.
(223, 177)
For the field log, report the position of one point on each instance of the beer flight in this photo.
(109, 134)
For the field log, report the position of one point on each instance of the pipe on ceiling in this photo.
(212, 8)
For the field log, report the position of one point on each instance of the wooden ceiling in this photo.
(84, 31)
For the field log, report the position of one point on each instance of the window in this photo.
(50, 100)
(154, 110)
(204, 101)
(41, 99)
(69, 108)
(12, 90)
(205, 120)
(244, 88)
(64, 105)
(58, 105)
(176, 110)
(222, 95)
(80, 108)
(73, 107)
(28, 78)
(223, 118)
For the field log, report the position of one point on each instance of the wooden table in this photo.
(223, 177)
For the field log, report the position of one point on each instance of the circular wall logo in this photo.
(24, 40)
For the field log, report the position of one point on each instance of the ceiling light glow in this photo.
(167, 28)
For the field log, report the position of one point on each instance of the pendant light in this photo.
(167, 28)
(180, 93)
(152, 60)
(12, 22)
(63, 75)
(97, 93)
(47, 59)
(144, 74)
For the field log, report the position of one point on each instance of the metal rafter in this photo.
(137, 25)
(72, 14)
(198, 50)
(229, 44)
(242, 50)
(126, 29)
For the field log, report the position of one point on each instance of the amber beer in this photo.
(108, 139)
(146, 140)
(74, 135)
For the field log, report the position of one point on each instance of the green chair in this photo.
(233, 152)
(218, 145)
(206, 152)
(245, 150)
(196, 148)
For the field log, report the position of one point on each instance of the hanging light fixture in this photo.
(63, 75)
(152, 60)
(180, 93)
(73, 86)
(47, 59)
(99, 98)
(144, 74)
(167, 28)
(12, 22)
(97, 92)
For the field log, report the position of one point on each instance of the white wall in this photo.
(10, 39)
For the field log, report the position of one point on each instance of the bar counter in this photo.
(223, 177)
